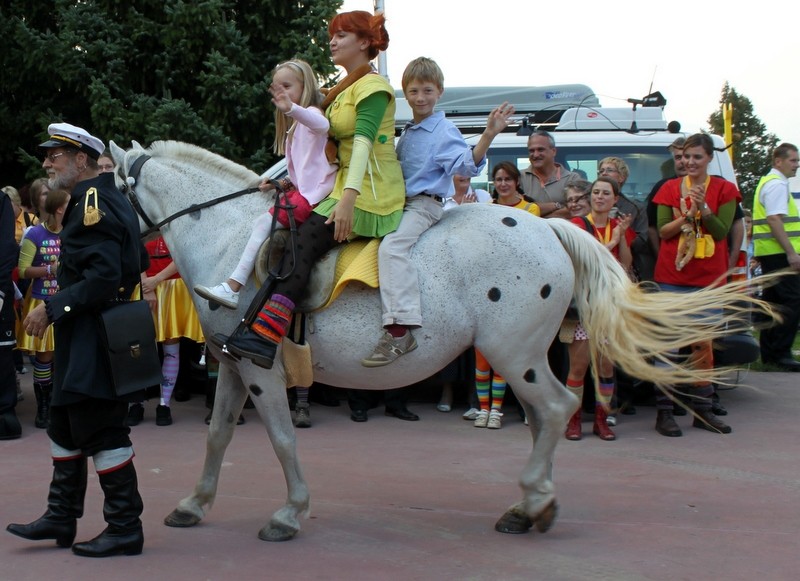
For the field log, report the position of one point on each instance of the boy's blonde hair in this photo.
(310, 97)
(423, 70)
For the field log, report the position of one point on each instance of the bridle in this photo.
(129, 190)
(281, 202)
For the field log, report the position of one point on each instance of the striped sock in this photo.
(498, 391)
(482, 375)
(575, 386)
(169, 371)
(302, 394)
(42, 371)
(273, 320)
(605, 391)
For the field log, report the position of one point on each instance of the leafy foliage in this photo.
(752, 145)
(190, 70)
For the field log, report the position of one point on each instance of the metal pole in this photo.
(382, 67)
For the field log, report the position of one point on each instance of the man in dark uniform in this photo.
(101, 261)
(9, 424)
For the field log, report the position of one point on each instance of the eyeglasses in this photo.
(603, 170)
(578, 200)
(52, 157)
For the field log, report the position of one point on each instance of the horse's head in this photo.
(170, 177)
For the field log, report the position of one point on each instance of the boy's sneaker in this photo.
(389, 349)
(494, 422)
(482, 419)
(222, 294)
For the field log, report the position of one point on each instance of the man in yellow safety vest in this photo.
(776, 240)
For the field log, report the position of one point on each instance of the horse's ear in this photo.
(117, 153)
(136, 144)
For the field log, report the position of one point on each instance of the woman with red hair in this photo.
(368, 195)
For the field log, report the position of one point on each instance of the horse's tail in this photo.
(633, 326)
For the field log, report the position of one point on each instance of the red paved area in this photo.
(400, 500)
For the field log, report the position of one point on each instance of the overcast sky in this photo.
(687, 48)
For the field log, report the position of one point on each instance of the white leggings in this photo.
(261, 227)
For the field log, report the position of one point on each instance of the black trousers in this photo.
(314, 238)
(90, 425)
(776, 342)
(8, 374)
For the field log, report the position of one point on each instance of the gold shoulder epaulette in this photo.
(91, 212)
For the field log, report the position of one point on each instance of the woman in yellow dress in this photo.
(368, 196)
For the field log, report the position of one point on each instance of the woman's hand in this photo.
(342, 215)
(625, 221)
(697, 194)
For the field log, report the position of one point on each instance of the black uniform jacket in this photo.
(99, 264)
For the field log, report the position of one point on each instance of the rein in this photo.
(129, 191)
(133, 175)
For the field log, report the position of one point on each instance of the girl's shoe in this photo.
(495, 423)
(482, 419)
(222, 294)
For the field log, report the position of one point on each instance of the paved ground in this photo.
(399, 500)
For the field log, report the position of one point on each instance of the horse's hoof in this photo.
(545, 519)
(276, 533)
(181, 519)
(513, 522)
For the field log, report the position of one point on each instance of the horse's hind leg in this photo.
(271, 404)
(228, 404)
(547, 405)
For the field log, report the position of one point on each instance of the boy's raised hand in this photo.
(499, 118)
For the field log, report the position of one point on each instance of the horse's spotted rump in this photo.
(255, 390)
(545, 292)
(494, 294)
(508, 221)
(530, 376)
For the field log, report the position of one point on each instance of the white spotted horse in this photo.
(490, 276)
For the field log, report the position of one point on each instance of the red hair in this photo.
(366, 26)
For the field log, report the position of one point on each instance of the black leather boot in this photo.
(64, 505)
(121, 509)
(42, 391)
(666, 425)
(245, 343)
(706, 420)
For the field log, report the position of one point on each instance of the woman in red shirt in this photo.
(695, 214)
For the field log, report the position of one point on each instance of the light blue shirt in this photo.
(431, 153)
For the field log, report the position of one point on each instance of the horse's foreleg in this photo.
(272, 405)
(228, 404)
(548, 405)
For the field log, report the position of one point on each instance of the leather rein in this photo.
(129, 190)
(281, 202)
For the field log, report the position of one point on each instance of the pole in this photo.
(378, 5)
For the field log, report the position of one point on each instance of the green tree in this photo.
(189, 70)
(752, 144)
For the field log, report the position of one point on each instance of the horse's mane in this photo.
(209, 161)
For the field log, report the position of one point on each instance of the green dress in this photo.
(379, 207)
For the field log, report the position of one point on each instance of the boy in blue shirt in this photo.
(431, 150)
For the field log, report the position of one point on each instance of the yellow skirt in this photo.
(175, 315)
(27, 342)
